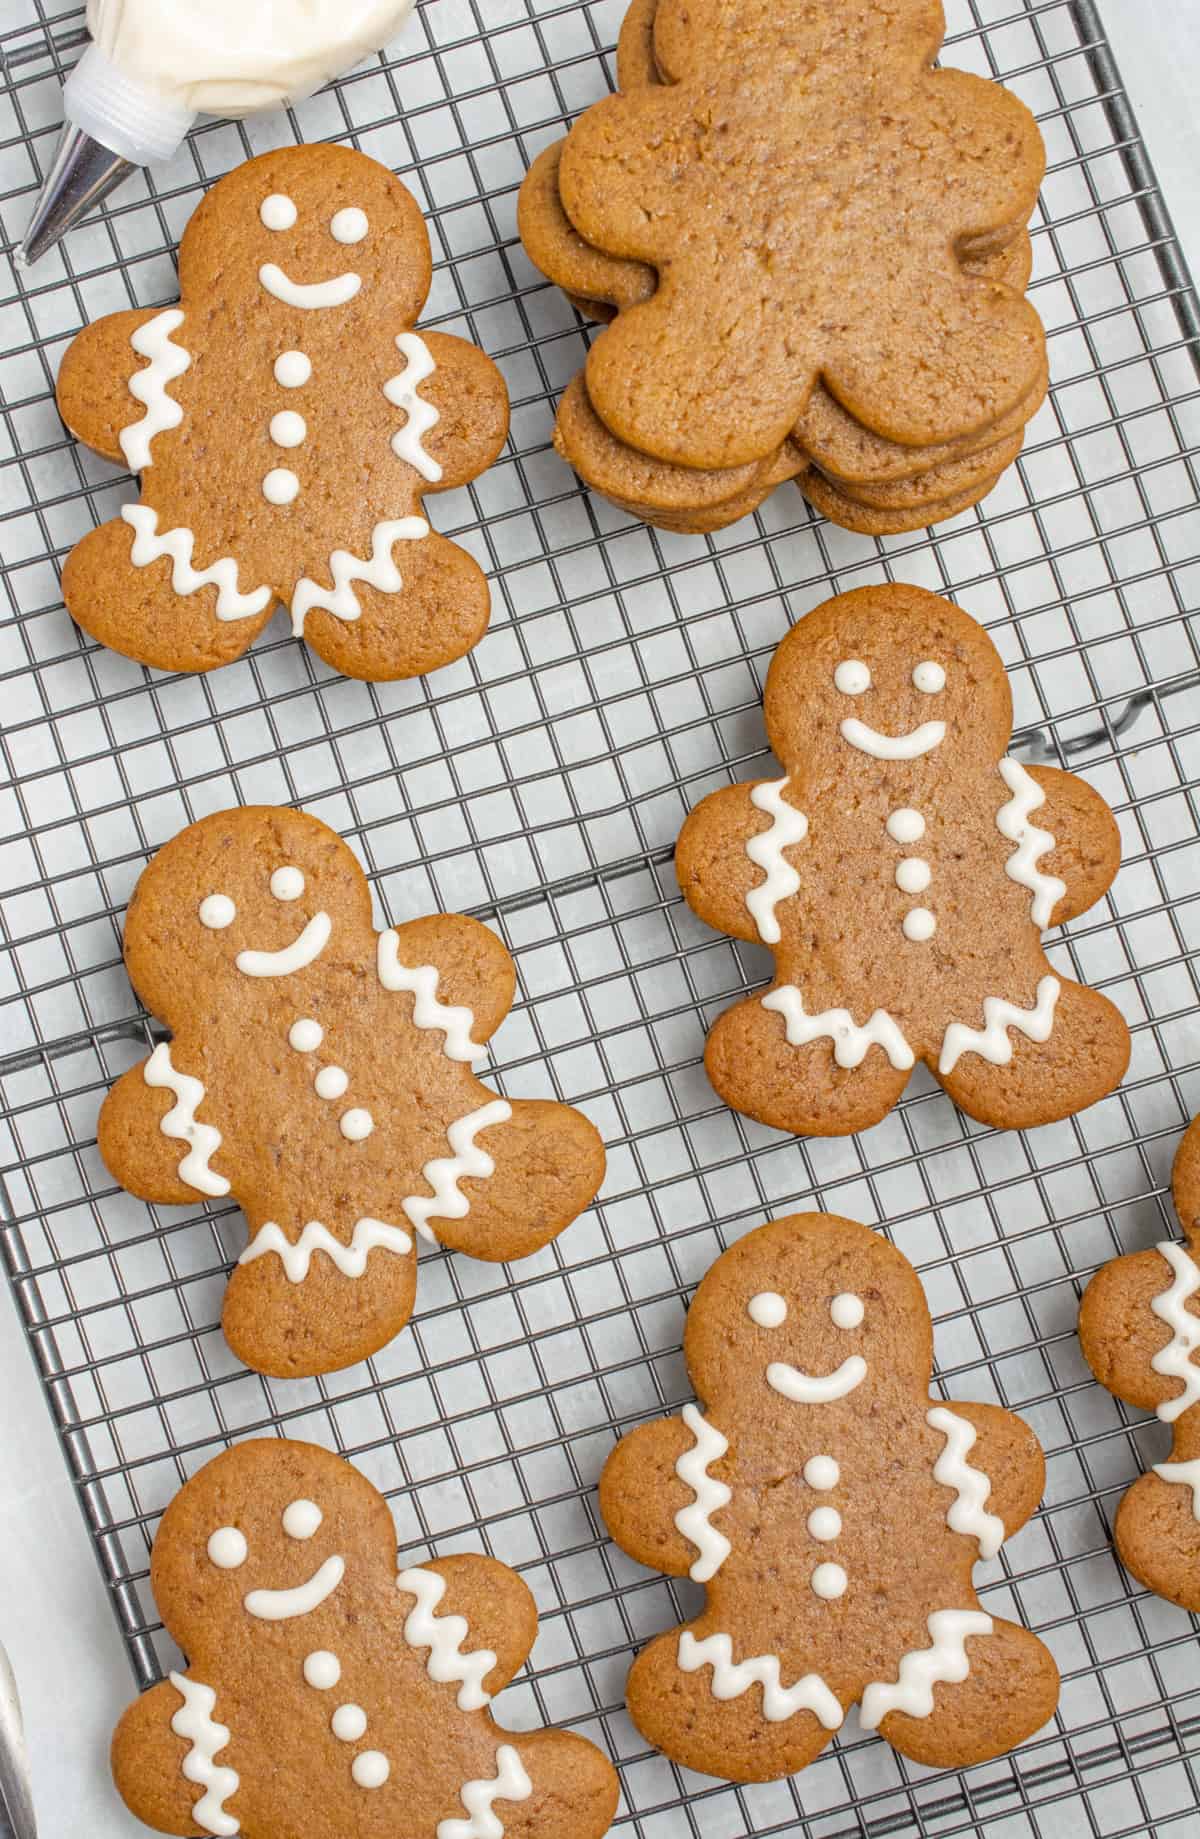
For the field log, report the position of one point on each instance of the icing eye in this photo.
(846, 1310)
(301, 1519)
(287, 883)
(349, 226)
(767, 1309)
(929, 677)
(217, 911)
(227, 1548)
(852, 677)
(278, 212)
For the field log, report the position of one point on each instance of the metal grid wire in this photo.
(540, 784)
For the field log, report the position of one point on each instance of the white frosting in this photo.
(730, 1679)
(850, 1042)
(311, 294)
(766, 849)
(913, 874)
(283, 1605)
(194, 1722)
(356, 1124)
(322, 1670)
(1012, 821)
(846, 1310)
(816, 1388)
(695, 1520)
(929, 677)
(292, 369)
(455, 1020)
(305, 1035)
(217, 911)
(906, 825)
(378, 571)
(227, 1548)
(278, 211)
(829, 1582)
(370, 1769)
(444, 1635)
(824, 1524)
(348, 1723)
(918, 925)
(971, 1486)
(301, 1519)
(304, 950)
(287, 882)
(822, 1473)
(1185, 1474)
(287, 429)
(403, 391)
(445, 1172)
(149, 546)
(991, 1042)
(767, 1310)
(349, 225)
(852, 677)
(1175, 1360)
(351, 1260)
(149, 386)
(908, 746)
(510, 1783)
(331, 1082)
(921, 1669)
(204, 1140)
(281, 485)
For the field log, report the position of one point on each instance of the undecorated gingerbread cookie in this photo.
(324, 1694)
(834, 1512)
(902, 872)
(1139, 1326)
(286, 420)
(324, 1075)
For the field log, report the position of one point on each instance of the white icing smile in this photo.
(908, 746)
(304, 950)
(282, 1605)
(311, 294)
(816, 1388)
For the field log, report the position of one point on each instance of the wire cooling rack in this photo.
(540, 784)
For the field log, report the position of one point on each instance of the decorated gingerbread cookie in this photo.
(287, 421)
(902, 873)
(1140, 1331)
(325, 1694)
(324, 1075)
(834, 1512)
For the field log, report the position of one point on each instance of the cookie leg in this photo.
(802, 1089)
(574, 1789)
(1157, 1532)
(549, 1163)
(439, 612)
(729, 1738)
(137, 612)
(1083, 1060)
(323, 1321)
(1009, 1693)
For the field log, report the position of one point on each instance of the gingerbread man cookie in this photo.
(323, 1074)
(286, 420)
(1139, 1326)
(324, 1694)
(834, 1513)
(902, 872)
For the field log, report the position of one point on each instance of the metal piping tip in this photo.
(82, 174)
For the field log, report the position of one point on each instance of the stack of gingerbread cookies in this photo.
(810, 247)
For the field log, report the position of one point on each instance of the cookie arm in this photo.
(474, 969)
(93, 381)
(133, 1146)
(1120, 1334)
(547, 1166)
(1087, 843)
(641, 1493)
(470, 396)
(497, 1605)
(147, 1764)
(1008, 1453)
(715, 873)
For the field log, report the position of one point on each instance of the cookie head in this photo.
(808, 1310)
(860, 686)
(690, 34)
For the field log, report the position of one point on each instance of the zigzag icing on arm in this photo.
(694, 1521)
(730, 1679)
(971, 1486)
(444, 1635)
(991, 1042)
(149, 386)
(195, 1723)
(1012, 821)
(378, 571)
(766, 849)
(403, 390)
(1175, 1360)
(204, 1140)
(296, 1255)
(510, 1783)
(455, 1020)
(178, 544)
(1184, 1475)
(923, 1668)
(850, 1042)
(445, 1172)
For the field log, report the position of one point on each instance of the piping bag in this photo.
(154, 65)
